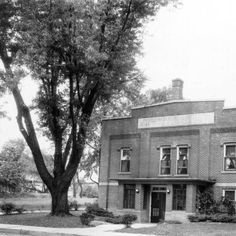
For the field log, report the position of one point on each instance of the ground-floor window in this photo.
(179, 197)
(129, 196)
(229, 194)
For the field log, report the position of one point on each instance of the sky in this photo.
(195, 42)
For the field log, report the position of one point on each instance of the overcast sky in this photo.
(196, 42)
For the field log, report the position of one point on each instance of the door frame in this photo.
(163, 189)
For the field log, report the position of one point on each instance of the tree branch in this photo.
(28, 132)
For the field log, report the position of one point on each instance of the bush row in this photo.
(206, 204)
(126, 219)
(224, 218)
(94, 209)
(9, 208)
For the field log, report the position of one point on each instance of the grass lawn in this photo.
(43, 220)
(195, 229)
(38, 201)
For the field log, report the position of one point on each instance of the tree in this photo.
(153, 96)
(81, 53)
(12, 167)
(34, 182)
(119, 106)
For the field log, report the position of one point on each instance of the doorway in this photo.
(158, 205)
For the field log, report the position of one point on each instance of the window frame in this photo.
(174, 197)
(129, 196)
(224, 157)
(177, 158)
(160, 159)
(122, 158)
(232, 190)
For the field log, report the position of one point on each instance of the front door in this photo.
(158, 205)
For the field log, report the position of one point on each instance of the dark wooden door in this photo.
(158, 206)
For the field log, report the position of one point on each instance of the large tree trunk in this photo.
(60, 206)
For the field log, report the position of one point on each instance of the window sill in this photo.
(179, 210)
(165, 175)
(124, 173)
(228, 172)
(186, 175)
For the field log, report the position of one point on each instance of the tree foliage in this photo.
(12, 165)
(81, 53)
(119, 106)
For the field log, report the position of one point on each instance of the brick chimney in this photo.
(177, 89)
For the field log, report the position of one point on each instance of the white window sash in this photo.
(178, 156)
(161, 157)
(224, 159)
(122, 157)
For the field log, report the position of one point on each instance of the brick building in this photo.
(153, 162)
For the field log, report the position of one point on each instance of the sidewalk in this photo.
(102, 229)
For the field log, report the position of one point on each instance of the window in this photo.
(165, 160)
(230, 157)
(182, 160)
(179, 197)
(129, 196)
(125, 159)
(229, 194)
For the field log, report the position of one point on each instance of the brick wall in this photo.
(205, 142)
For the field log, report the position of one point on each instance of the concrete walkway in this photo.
(102, 229)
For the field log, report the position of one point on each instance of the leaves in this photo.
(12, 164)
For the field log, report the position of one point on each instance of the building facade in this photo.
(154, 162)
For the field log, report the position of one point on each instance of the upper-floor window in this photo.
(182, 160)
(230, 157)
(125, 156)
(165, 160)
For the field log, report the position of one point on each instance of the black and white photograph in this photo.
(118, 117)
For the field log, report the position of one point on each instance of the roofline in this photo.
(115, 118)
(229, 108)
(176, 101)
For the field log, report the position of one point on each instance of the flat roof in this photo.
(116, 118)
(175, 101)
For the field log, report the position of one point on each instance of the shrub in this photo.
(128, 219)
(224, 218)
(94, 209)
(114, 220)
(173, 222)
(8, 208)
(86, 218)
(74, 205)
(90, 191)
(229, 205)
(205, 203)
(19, 210)
(193, 218)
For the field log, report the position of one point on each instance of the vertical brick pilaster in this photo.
(139, 197)
(144, 154)
(169, 197)
(190, 198)
(120, 196)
